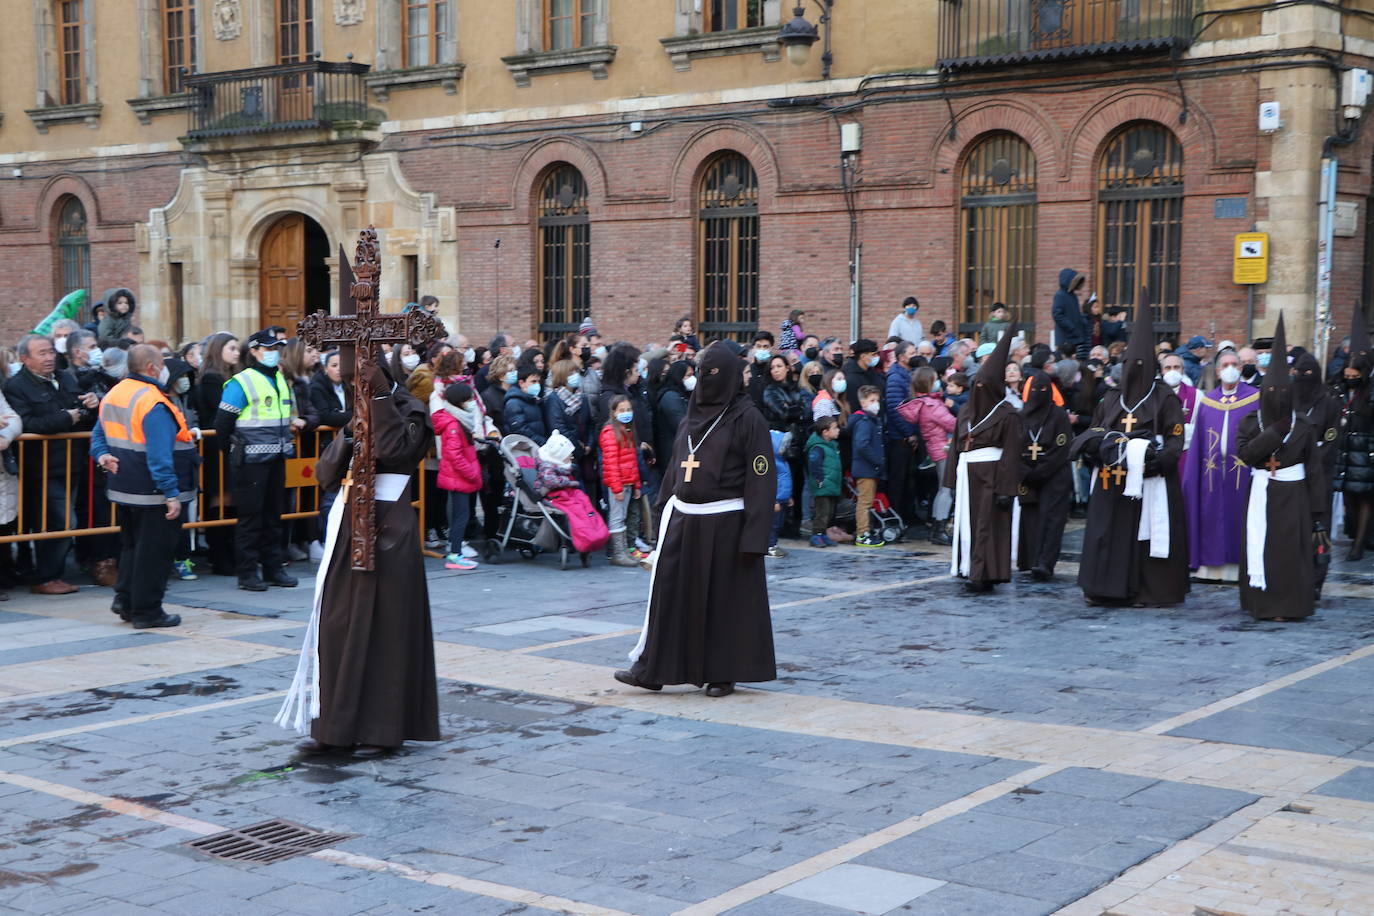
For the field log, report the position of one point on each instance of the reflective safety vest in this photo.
(122, 413)
(265, 424)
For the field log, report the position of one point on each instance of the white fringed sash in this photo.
(1257, 518)
(961, 556)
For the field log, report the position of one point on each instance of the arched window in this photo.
(1140, 221)
(73, 248)
(728, 248)
(564, 251)
(997, 235)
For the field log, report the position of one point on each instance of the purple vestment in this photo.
(1214, 480)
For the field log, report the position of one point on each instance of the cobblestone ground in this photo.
(923, 752)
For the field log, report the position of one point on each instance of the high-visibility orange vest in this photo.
(122, 413)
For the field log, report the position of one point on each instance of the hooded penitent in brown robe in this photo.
(1284, 503)
(1118, 564)
(377, 682)
(1314, 400)
(987, 445)
(707, 620)
(1047, 482)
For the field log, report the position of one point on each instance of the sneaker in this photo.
(818, 540)
(458, 561)
(638, 554)
(469, 551)
(868, 539)
(295, 554)
(643, 547)
(316, 551)
(432, 540)
(185, 570)
(776, 552)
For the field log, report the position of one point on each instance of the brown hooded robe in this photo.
(1292, 507)
(1116, 566)
(377, 681)
(708, 619)
(988, 420)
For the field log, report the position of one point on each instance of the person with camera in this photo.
(257, 417)
(48, 402)
(146, 447)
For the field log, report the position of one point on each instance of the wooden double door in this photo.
(293, 278)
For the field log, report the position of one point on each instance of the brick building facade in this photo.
(451, 157)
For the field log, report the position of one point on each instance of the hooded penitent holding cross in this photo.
(1285, 503)
(1135, 544)
(366, 678)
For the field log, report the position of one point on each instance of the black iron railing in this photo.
(299, 96)
(977, 33)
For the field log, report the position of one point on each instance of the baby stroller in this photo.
(889, 522)
(529, 524)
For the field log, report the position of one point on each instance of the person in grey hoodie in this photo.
(906, 325)
(119, 314)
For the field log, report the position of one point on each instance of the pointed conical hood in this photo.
(1139, 366)
(348, 354)
(1359, 341)
(1275, 393)
(990, 384)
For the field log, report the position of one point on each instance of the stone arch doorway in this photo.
(293, 277)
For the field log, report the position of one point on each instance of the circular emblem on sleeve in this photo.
(1023, 490)
(1178, 429)
(761, 465)
(1062, 439)
(1330, 434)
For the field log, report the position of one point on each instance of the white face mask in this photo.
(163, 375)
(14, 369)
(410, 361)
(599, 352)
(515, 352)
(690, 383)
(839, 384)
(182, 386)
(469, 355)
(93, 356)
(1229, 375)
(60, 344)
(1173, 378)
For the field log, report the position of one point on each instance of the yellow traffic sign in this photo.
(1251, 258)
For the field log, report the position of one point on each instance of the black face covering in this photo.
(815, 381)
(916, 362)
(1356, 382)
(812, 354)
(1307, 381)
(1249, 371)
(585, 353)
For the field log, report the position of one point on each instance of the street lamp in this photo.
(798, 35)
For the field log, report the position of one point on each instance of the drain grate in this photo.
(270, 841)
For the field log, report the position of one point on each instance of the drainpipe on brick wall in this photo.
(1326, 231)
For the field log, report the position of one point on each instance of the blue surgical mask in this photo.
(574, 382)
(937, 386)
(270, 358)
(872, 361)
(626, 418)
(910, 311)
(1262, 360)
(839, 384)
(762, 355)
(512, 377)
(533, 390)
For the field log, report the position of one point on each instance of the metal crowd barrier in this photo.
(89, 513)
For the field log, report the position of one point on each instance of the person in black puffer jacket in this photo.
(1354, 473)
(786, 410)
(671, 408)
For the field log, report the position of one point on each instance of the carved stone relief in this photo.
(227, 19)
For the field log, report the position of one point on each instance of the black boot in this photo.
(282, 579)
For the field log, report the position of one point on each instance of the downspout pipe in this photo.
(1326, 226)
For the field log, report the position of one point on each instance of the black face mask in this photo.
(585, 354)
(813, 353)
(1250, 371)
(815, 381)
(1356, 382)
(915, 362)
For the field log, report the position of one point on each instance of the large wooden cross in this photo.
(359, 332)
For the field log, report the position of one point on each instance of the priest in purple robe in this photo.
(1214, 478)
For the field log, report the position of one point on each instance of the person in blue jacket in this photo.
(782, 499)
(869, 461)
(1070, 324)
(524, 412)
(899, 435)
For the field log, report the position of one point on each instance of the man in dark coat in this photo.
(1135, 440)
(707, 621)
(1285, 508)
(1353, 474)
(983, 468)
(1070, 324)
(376, 684)
(1047, 483)
(862, 369)
(48, 403)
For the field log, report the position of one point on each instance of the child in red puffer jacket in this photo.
(620, 474)
(460, 473)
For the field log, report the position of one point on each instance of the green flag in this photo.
(68, 307)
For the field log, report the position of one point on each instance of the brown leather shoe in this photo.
(105, 573)
(55, 587)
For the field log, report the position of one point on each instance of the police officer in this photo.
(257, 418)
(143, 443)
